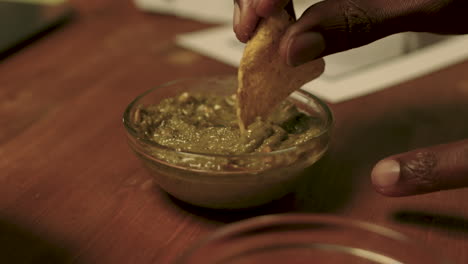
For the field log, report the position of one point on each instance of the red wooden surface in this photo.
(71, 190)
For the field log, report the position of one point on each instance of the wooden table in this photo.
(72, 191)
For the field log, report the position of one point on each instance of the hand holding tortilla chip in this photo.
(264, 78)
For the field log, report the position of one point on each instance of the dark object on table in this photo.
(22, 23)
(438, 221)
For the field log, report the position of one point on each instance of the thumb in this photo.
(421, 171)
(332, 26)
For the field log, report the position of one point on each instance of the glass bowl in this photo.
(307, 238)
(226, 181)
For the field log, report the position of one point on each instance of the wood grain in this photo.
(72, 192)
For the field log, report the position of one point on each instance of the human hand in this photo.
(424, 170)
(332, 26)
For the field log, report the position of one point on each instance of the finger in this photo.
(245, 19)
(247, 14)
(332, 26)
(420, 171)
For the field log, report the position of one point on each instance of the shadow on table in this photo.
(453, 225)
(21, 246)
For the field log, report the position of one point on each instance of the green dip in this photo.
(202, 123)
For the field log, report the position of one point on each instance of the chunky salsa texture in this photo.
(205, 123)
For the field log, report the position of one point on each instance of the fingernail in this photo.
(386, 173)
(237, 14)
(304, 47)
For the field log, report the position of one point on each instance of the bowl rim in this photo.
(249, 225)
(329, 118)
(259, 222)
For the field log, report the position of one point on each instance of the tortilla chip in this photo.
(264, 80)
